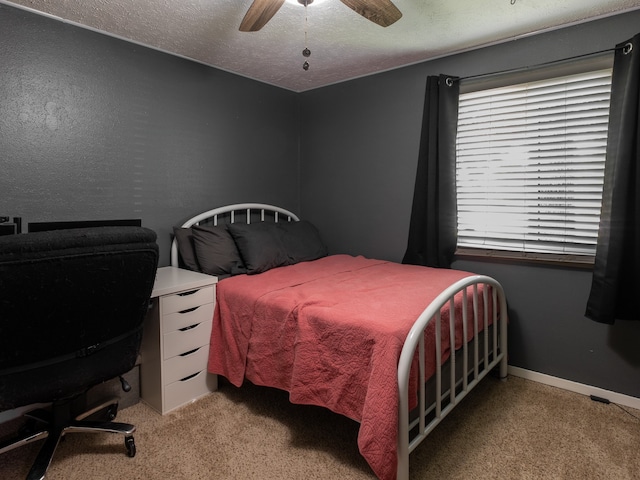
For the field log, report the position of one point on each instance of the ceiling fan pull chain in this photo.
(306, 52)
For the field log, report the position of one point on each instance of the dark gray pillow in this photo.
(184, 239)
(260, 245)
(302, 241)
(216, 251)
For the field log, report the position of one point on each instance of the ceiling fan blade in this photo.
(382, 12)
(259, 13)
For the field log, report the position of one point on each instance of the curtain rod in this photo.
(626, 48)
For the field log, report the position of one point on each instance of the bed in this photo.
(394, 347)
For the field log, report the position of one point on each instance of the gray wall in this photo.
(359, 156)
(92, 127)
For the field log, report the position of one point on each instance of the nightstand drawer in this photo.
(186, 318)
(185, 364)
(188, 338)
(185, 300)
(176, 337)
(188, 389)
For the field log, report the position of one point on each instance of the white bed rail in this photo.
(494, 352)
(247, 209)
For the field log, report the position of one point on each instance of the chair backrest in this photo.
(72, 305)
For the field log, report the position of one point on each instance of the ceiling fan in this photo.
(382, 12)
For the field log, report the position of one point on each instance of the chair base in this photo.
(52, 425)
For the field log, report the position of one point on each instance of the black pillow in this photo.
(216, 251)
(184, 239)
(260, 245)
(302, 241)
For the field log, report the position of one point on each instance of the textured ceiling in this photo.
(343, 44)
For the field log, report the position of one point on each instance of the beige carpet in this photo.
(516, 429)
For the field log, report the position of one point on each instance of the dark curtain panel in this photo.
(616, 274)
(433, 228)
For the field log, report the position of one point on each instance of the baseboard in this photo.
(9, 415)
(581, 388)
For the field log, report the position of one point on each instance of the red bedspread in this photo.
(329, 332)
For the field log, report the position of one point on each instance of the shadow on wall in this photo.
(623, 339)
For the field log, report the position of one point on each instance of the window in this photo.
(530, 164)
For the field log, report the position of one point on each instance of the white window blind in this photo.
(530, 164)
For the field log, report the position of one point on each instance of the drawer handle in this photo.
(189, 327)
(189, 377)
(189, 310)
(190, 292)
(186, 354)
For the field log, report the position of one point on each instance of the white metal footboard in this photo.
(485, 357)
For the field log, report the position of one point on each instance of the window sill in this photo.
(584, 262)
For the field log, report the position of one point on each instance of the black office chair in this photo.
(72, 304)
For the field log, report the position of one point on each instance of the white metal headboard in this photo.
(246, 208)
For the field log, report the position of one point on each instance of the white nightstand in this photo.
(175, 344)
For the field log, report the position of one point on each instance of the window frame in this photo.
(595, 62)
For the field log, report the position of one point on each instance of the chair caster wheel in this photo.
(130, 445)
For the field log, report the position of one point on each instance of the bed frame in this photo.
(453, 380)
